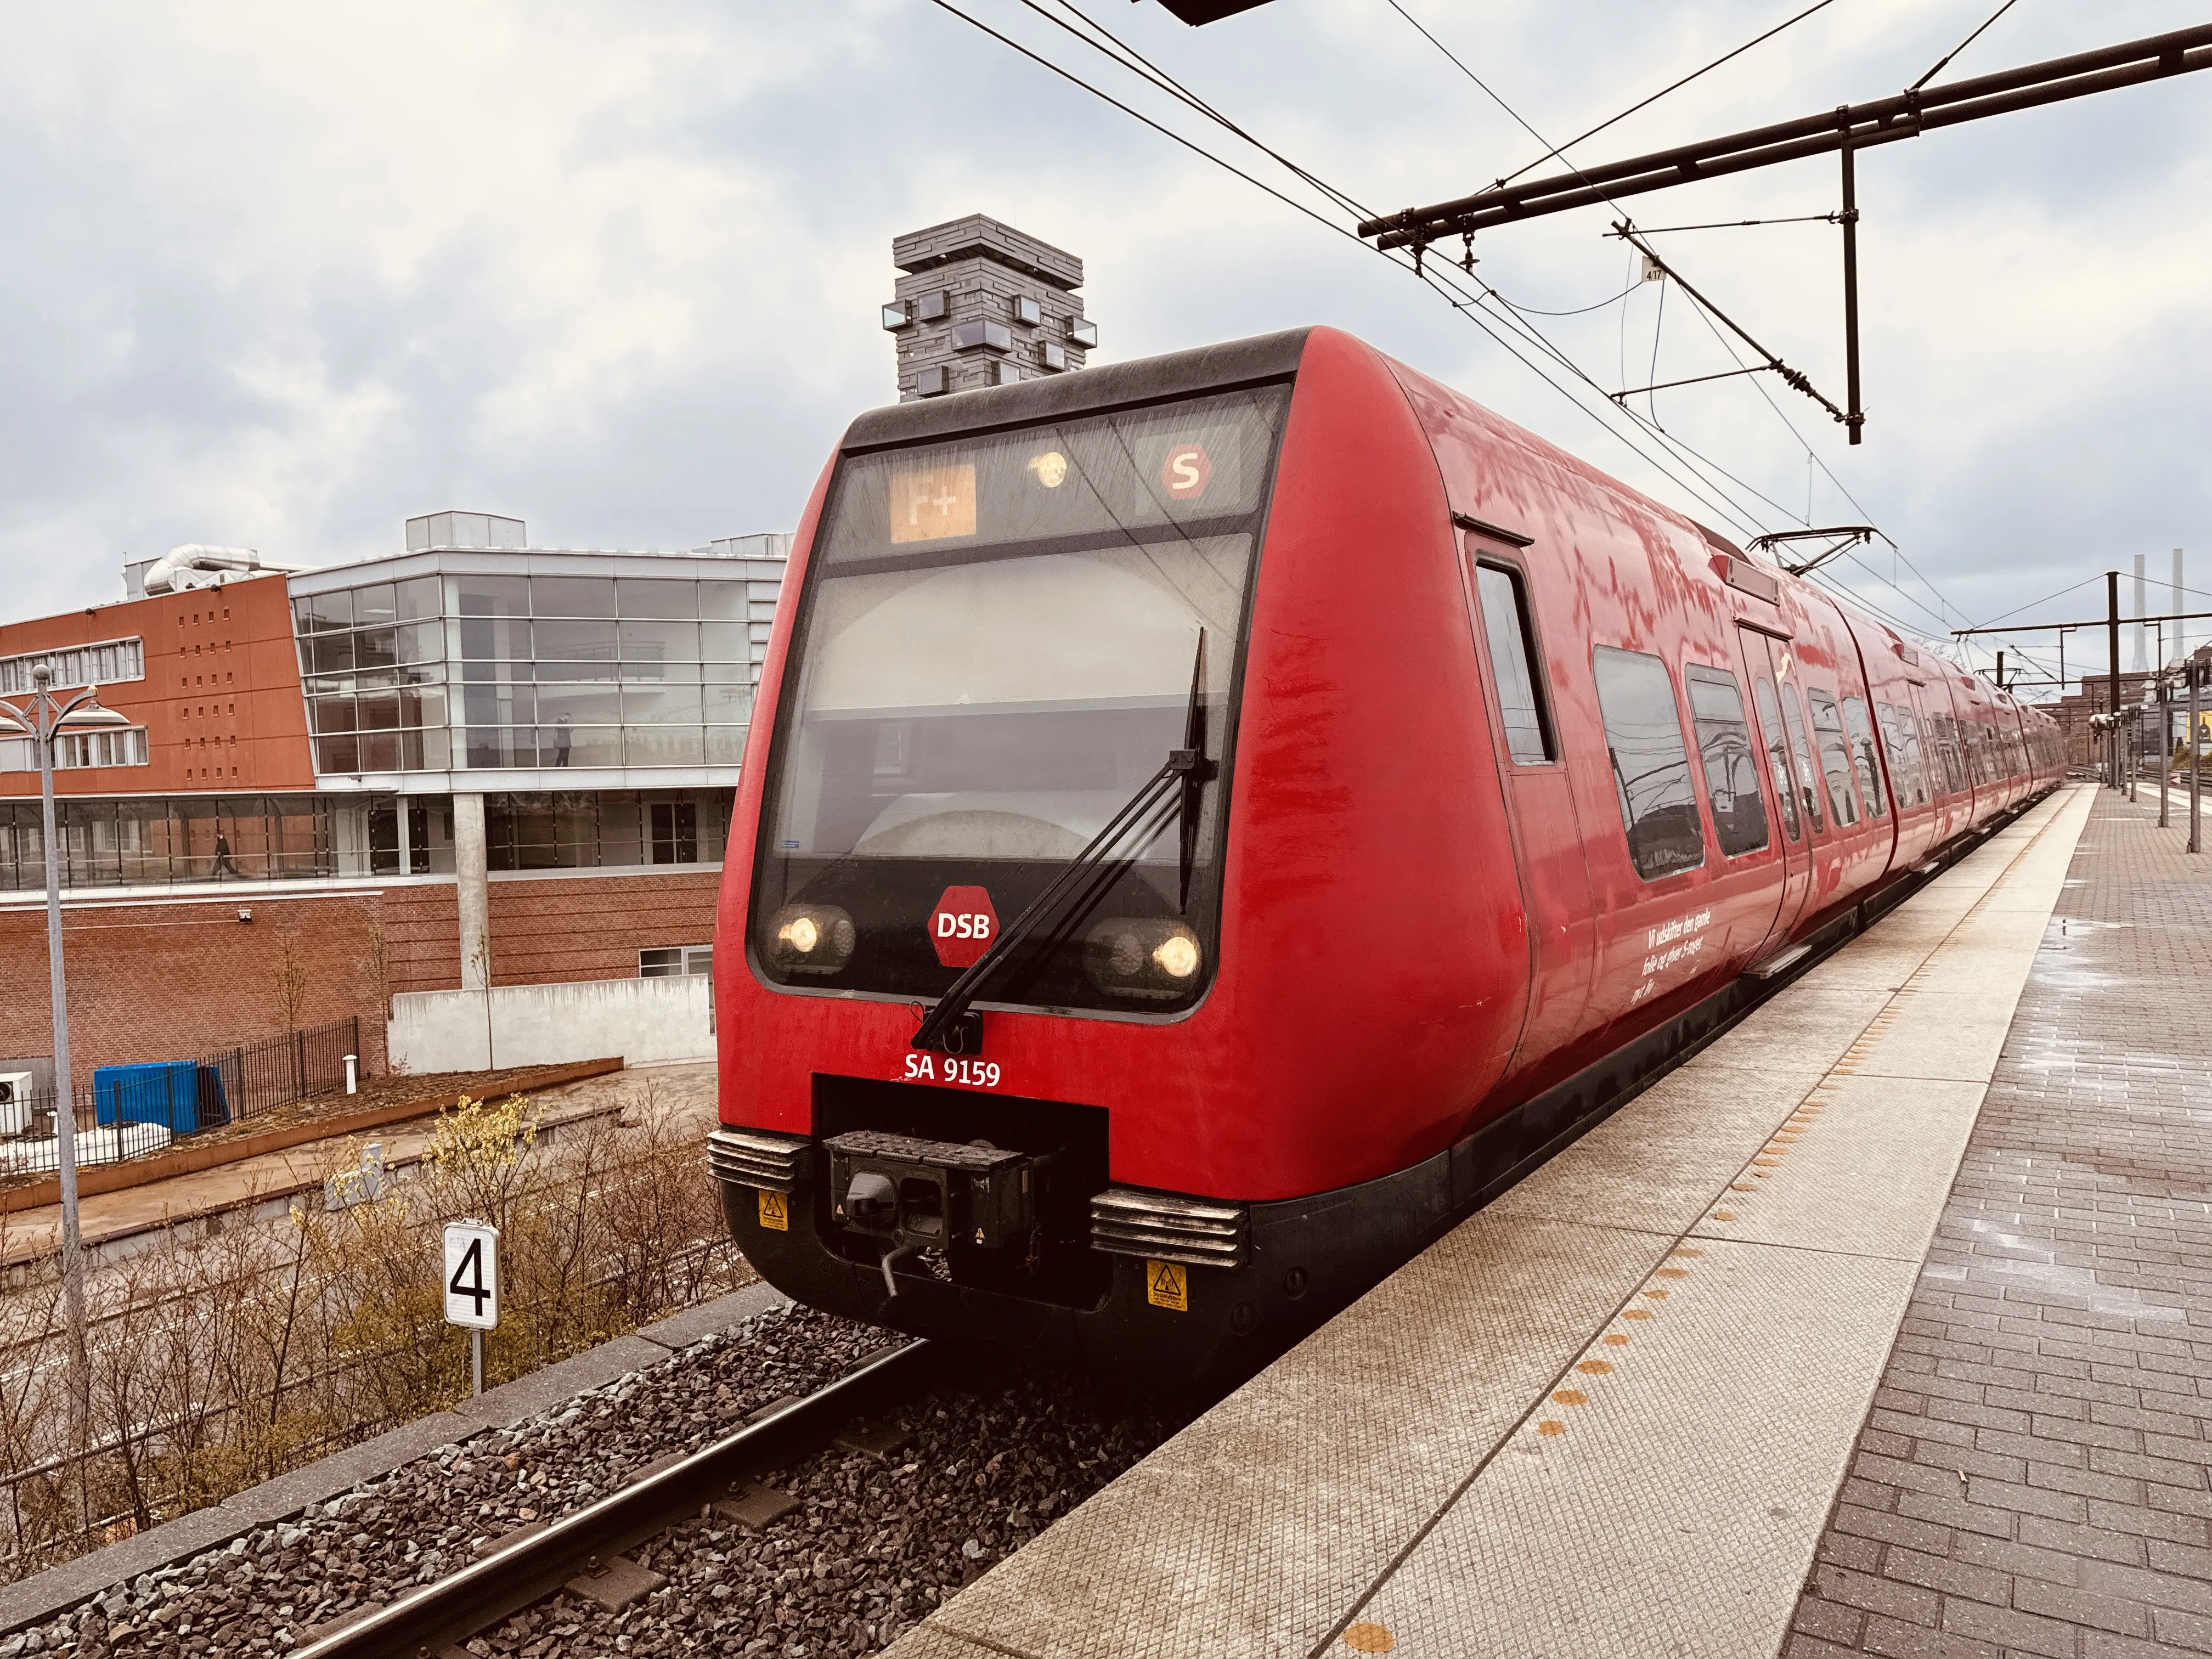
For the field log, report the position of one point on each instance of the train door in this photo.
(1792, 826)
(1541, 806)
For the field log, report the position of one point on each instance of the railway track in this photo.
(509, 1579)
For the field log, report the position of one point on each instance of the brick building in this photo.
(466, 768)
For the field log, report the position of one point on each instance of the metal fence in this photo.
(248, 1081)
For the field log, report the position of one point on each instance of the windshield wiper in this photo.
(1180, 781)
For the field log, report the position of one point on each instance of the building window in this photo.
(675, 960)
(675, 833)
(173, 840)
(607, 828)
(75, 751)
(104, 664)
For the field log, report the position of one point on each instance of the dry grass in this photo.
(222, 1362)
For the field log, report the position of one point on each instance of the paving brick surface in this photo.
(2032, 1478)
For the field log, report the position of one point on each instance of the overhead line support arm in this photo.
(1853, 127)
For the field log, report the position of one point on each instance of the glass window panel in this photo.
(329, 653)
(660, 964)
(1731, 760)
(661, 705)
(725, 642)
(487, 746)
(494, 596)
(437, 753)
(374, 647)
(376, 680)
(1863, 758)
(379, 752)
(576, 641)
(722, 601)
(564, 743)
(378, 714)
(423, 706)
(489, 639)
(329, 714)
(725, 744)
(417, 601)
(1835, 755)
(420, 642)
(726, 673)
(653, 643)
(317, 613)
(1506, 624)
(422, 673)
(644, 596)
(573, 596)
(336, 755)
(1651, 763)
(1809, 779)
(663, 746)
(373, 605)
(1777, 746)
(580, 705)
(728, 705)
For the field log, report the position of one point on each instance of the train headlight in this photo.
(811, 939)
(1177, 956)
(1154, 959)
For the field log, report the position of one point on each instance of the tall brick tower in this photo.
(981, 304)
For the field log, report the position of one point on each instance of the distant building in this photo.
(981, 304)
(403, 765)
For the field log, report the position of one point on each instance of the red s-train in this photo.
(1211, 822)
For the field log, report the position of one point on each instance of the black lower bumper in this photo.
(1308, 1259)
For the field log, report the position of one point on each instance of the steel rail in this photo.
(489, 1590)
(1848, 126)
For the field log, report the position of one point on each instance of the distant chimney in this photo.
(981, 304)
(437, 532)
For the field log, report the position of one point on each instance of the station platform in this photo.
(1873, 1326)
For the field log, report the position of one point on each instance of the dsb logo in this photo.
(962, 925)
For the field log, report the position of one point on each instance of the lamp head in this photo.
(10, 727)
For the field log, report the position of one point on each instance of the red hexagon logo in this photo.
(962, 925)
(1186, 471)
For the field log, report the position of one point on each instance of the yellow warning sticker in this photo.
(1167, 1286)
(775, 1211)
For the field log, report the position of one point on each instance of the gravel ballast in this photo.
(987, 1461)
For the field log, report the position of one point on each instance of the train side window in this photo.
(1504, 604)
(1907, 764)
(1809, 780)
(1777, 751)
(1651, 763)
(1730, 759)
(1863, 756)
(1835, 755)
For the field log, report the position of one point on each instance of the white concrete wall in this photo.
(642, 1020)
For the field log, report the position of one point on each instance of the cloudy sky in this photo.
(279, 277)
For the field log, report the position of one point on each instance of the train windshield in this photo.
(999, 644)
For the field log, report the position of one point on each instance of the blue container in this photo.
(166, 1092)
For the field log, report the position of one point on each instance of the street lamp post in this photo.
(44, 718)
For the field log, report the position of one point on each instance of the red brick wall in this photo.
(182, 982)
(593, 928)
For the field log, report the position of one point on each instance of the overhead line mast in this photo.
(1847, 128)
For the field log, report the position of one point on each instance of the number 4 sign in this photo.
(472, 1275)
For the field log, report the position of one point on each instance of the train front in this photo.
(998, 767)
(1118, 927)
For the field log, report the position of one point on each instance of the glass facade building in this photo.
(535, 671)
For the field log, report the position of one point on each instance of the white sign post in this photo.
(472, 1285)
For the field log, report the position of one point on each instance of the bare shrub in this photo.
(221, 1362)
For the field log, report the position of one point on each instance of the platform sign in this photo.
(472, 1275)
(1167, 1284)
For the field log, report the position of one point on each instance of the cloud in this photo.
(283, 276)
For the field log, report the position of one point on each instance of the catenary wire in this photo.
(1464, 303)
(1683, 456)
(1961, 46)
(1675, 87)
